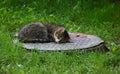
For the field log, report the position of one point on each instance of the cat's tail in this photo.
(36, 41)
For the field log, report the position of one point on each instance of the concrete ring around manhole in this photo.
(78, 41)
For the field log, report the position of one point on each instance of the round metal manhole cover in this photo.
(78, 41)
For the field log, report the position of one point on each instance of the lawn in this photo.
(100, 18)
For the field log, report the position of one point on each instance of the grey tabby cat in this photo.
(43, 32)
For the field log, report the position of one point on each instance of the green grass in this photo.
(100, 18)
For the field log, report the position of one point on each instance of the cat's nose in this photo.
(57, 40)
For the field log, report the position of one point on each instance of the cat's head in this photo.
(61, 35)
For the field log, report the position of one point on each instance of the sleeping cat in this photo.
(43, 32)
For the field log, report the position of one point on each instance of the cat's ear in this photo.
(62, 30)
